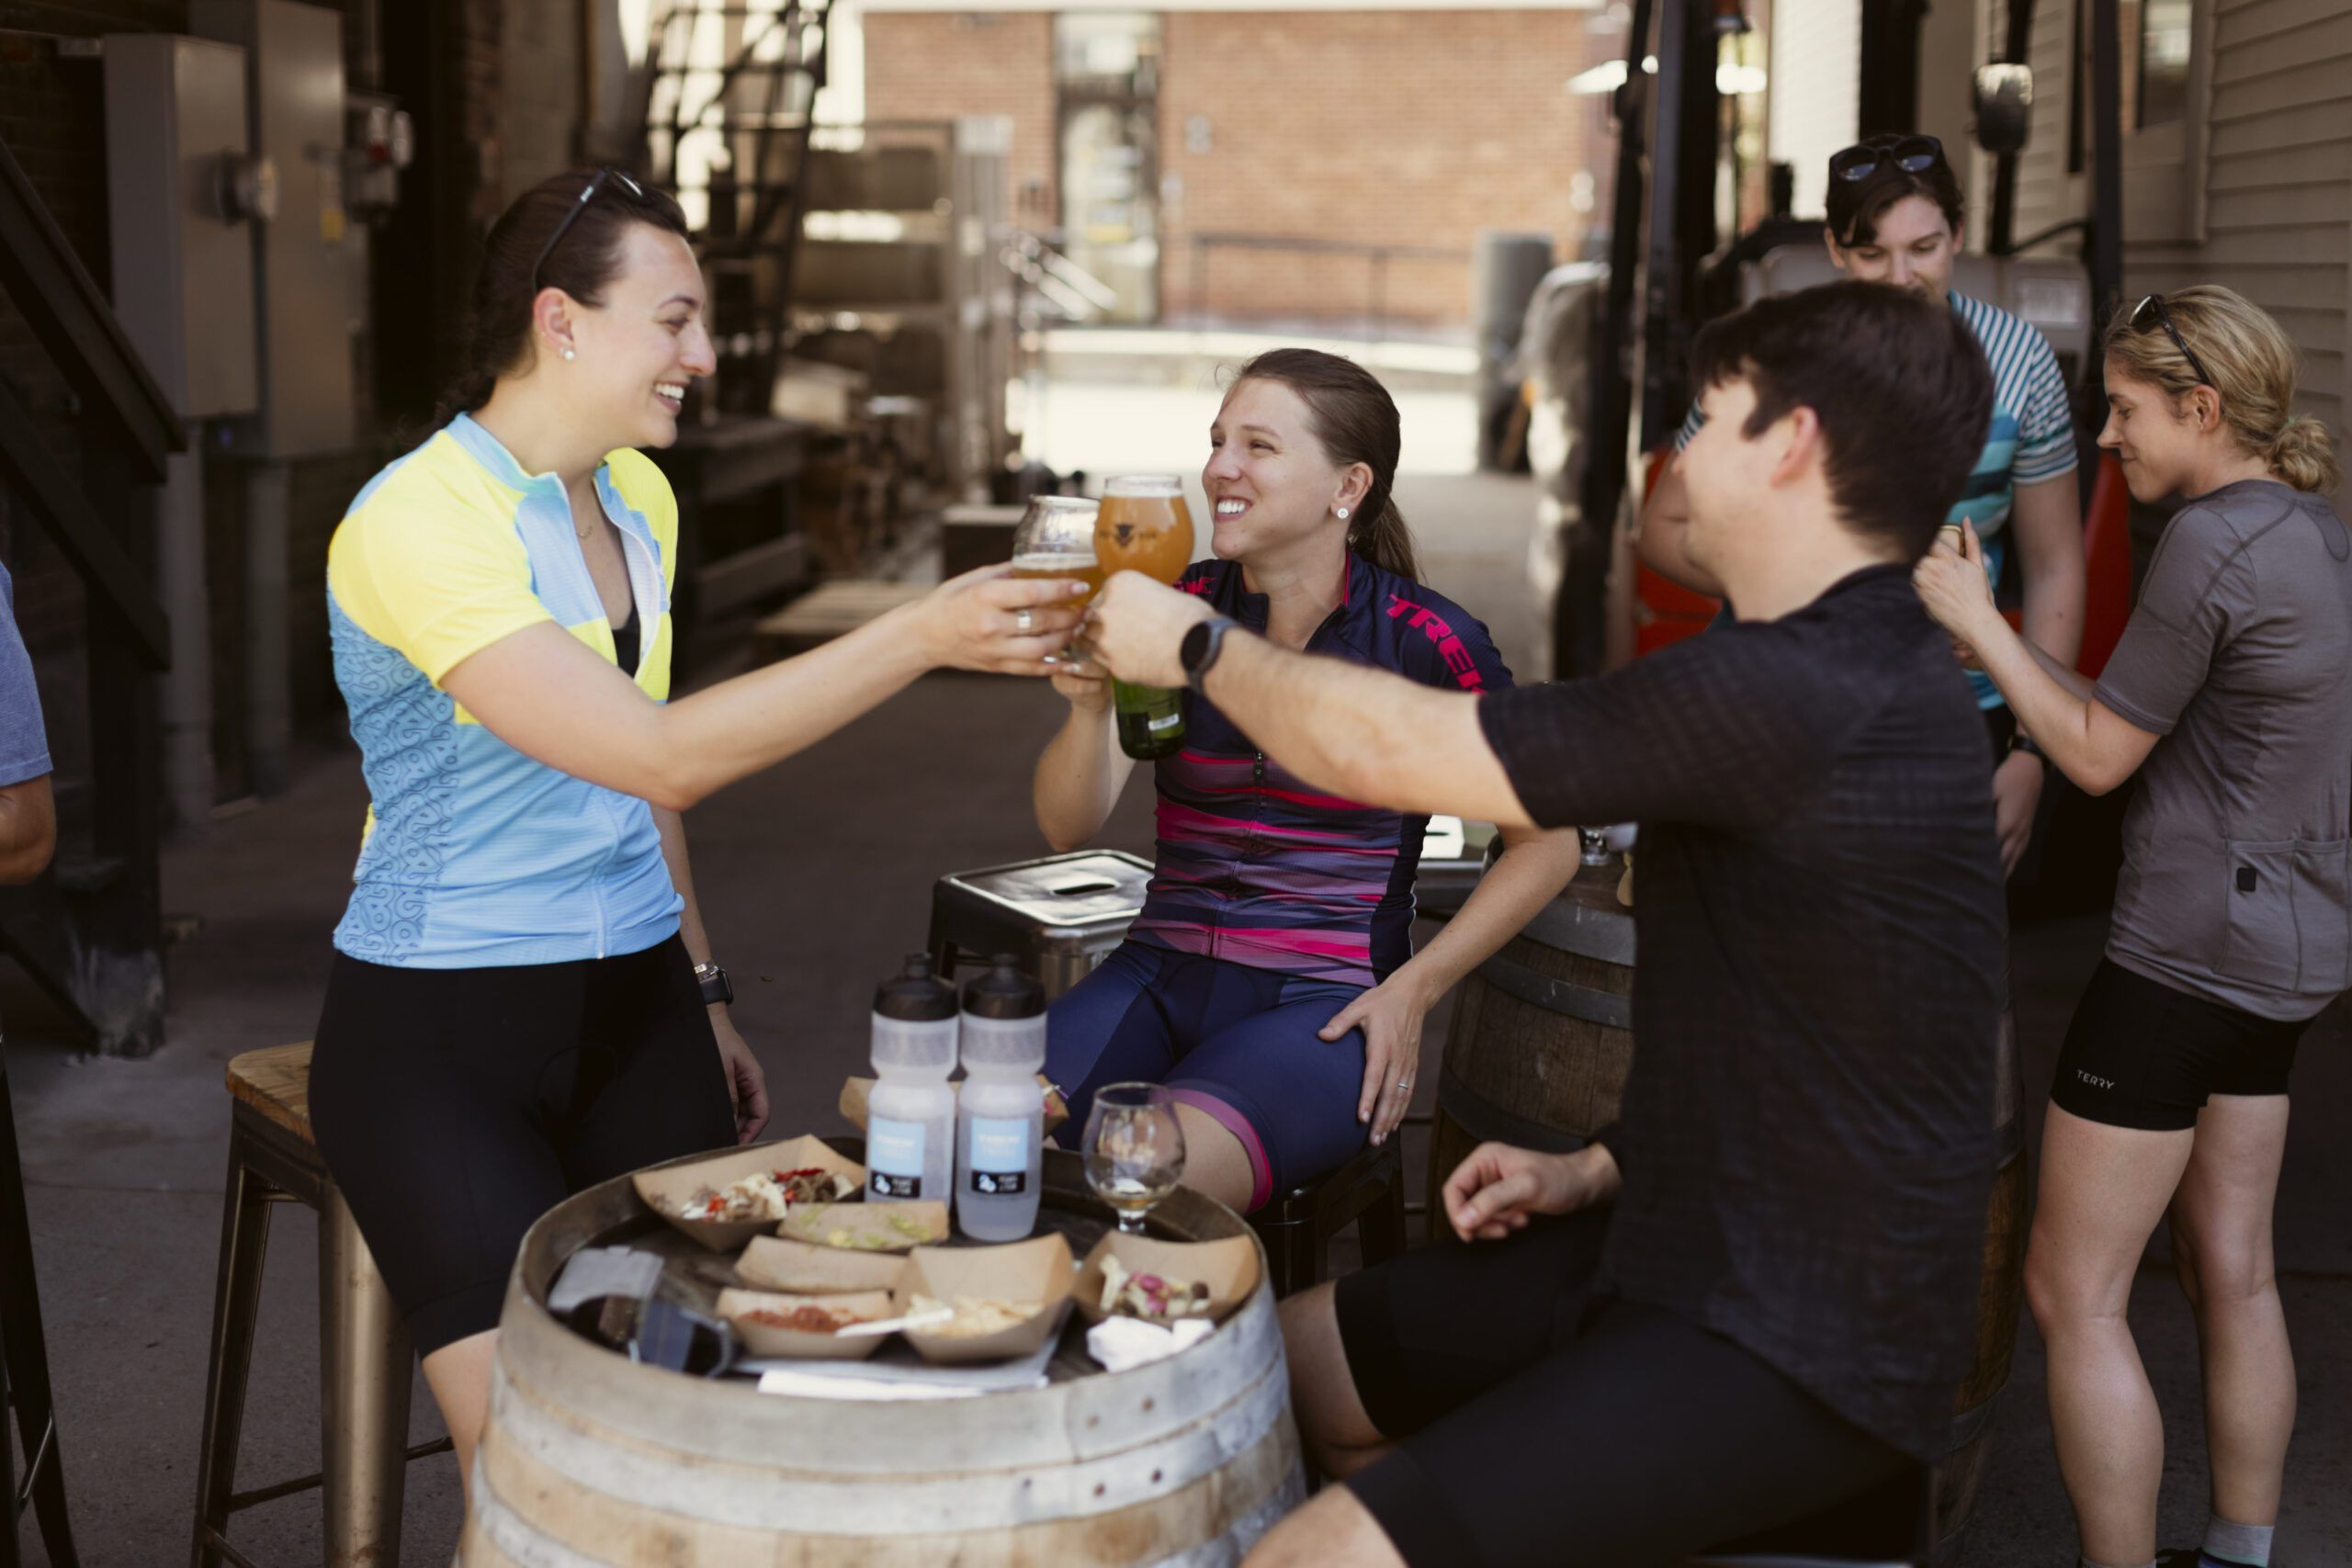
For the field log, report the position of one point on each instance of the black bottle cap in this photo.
(1004, 991)
(915, 995)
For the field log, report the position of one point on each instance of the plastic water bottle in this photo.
(911, 1122)
(999, 1134)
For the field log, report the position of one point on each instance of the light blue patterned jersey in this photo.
(475, 854)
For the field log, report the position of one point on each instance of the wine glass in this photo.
(1135, 1149)
(1055, 539)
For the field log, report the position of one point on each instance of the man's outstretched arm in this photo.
(1357, 732)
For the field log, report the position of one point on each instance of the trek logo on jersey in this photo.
(1449, 647)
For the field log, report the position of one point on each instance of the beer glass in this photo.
(1143, 525)
(1134, 1149)
(1055, 540)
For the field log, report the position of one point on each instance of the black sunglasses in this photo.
(595, 185)
(2151, 309)
(1912, 154)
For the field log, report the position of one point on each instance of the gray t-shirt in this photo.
(2237, 853)
(24, 744)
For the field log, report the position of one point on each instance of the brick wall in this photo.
(1381, 128)
(934, 65)
(1402, 128)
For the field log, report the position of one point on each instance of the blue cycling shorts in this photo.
(1239, 1044)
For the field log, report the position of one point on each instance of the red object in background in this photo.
(1665, 612)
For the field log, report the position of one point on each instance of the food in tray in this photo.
(1157, 1298)
(767, 1194)
(976, 1316)
(807, 1318)
(883, 1231)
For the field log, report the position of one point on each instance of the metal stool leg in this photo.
(364, 1389)
(236, 1302)
(24, 1361)
(1382, 1227)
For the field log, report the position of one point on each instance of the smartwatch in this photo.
(717, 988)
(1201, 646)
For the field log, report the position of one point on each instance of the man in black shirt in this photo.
(1760, 1304)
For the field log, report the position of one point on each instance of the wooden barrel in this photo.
(2000, 1289)
(1540, 1042)
(1542, 1036)
(591, 1461)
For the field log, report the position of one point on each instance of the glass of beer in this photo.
(1143, 525)
(1055, 540)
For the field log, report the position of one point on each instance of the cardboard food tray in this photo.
(816, 1223)
(663, 1189)
(856, 1094)
(898, 1363)
(1228, 1266)
(807, 1269)
(1036, 1271)
(767, 1339)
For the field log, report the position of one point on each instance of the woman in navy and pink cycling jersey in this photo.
(1270, 980)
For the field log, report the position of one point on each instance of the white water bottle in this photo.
(911, 1120)
(1002, 1125)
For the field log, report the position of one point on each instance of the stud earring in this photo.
(1343, 514)
(569, 355)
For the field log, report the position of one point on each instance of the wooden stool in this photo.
(24, 1370)
(1297, 1228)
(363, 1358)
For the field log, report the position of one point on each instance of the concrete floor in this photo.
(814, 878)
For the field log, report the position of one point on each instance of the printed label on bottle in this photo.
(999, 1155)
(1167, 721)
(894, 1158)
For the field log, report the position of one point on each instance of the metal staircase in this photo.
(725, 99)
(90, 931)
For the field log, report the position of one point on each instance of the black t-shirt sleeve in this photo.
(1729, 729)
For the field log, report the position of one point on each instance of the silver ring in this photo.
(1404, 1083)
(1022, 622)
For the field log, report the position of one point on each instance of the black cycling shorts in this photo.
(1535, 1423)
(454, 1107)
(2140, 1053)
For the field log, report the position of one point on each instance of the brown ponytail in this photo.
(1355, 419)
(498, 321)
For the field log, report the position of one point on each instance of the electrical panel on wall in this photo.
(183, 195)
(304, 258)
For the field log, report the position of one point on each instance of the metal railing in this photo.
(91, 931)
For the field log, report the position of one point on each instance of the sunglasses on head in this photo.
(1912, 154)
(2152, 310)
(595, 185)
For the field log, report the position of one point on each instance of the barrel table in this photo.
(1540, 1042)
(593, 1461)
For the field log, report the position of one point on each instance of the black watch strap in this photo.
(1203, 642)
(717, 988)
(2023, 742)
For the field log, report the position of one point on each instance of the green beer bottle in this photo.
(1143, 526)
(1151, 720)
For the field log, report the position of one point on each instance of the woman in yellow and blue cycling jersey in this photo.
(523, 1002)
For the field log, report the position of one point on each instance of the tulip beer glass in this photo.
(1055, 540)
(1143, 525)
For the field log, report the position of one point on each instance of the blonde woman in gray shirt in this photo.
(2229, 696)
